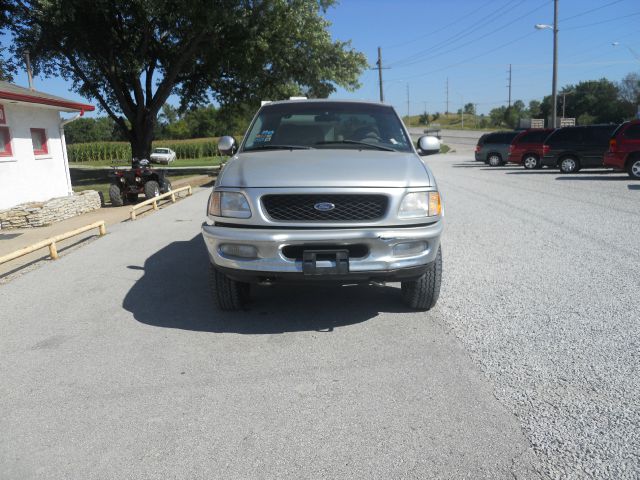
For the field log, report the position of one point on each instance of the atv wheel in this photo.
(116, 196)
(228, 294)
(422, 294)
(151, 189)
(167, 186)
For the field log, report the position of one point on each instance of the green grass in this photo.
(451, 121)
(103, 186)
(185, 162)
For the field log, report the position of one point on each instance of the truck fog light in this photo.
(236, 250)
(409, 249)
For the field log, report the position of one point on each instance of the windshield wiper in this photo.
(355, 142)
(279, 147)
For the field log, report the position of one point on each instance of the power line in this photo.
(461, 34)
(603, 21)
(590, 11)
(474, 40)
(455, 22)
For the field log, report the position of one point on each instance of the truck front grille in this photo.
(346, 207)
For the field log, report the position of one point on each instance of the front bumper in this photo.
(614, 160)
(379, 261)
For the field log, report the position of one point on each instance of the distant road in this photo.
(461, 140)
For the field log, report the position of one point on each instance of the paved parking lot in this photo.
(114, 364)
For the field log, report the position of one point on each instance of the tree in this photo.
(131, 55)
(470, 109)
(423, 119)
(535, 109)
(102, 129)
(7, 67)
(629, 88)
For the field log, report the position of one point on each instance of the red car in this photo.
(526, 148)
(624, 149)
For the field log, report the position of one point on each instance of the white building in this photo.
(33, 154)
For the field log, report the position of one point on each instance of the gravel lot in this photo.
(113, 363)
(542, 284)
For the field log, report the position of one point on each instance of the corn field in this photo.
(121, 151)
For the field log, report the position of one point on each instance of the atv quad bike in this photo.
(127, 184)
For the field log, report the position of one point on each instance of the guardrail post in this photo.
(173, 197)
(155, 204)
(103, 229)
(133, 214)
(53, 251)
(189, 190)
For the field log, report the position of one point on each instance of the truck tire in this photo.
(634, 168)
(115, 195)
(228, 295)
(151, 189)
(423, 293)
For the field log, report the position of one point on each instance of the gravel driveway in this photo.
(542, 285)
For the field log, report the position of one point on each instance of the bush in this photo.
(118, 152)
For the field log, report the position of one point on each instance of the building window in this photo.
(5, 142)
(39, 140)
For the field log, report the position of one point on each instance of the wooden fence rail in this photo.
(154, 201)
(51, 242)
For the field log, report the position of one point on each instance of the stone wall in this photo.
(34, 214)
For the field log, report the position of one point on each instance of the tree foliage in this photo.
(131, 55)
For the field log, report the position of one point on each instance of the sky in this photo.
(472, 43)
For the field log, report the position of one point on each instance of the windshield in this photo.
(161, 150)
(343, 125)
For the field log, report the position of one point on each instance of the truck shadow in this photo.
(173, 293)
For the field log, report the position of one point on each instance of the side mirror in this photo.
(428, 145)
(227, 145)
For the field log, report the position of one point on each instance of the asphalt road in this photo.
(113, 363)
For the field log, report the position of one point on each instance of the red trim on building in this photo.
(3, 118)
(83, 107)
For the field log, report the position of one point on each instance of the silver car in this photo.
(325, 191)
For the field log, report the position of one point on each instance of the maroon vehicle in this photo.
(527, 148)
(624, 149)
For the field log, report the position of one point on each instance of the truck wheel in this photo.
(151, 189)
(531, 162)
(494, 160)
(422, 294)
(228, 294)
(634, 168)
(115, 195)
(569, 165)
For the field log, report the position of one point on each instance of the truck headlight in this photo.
(420, 204)
(229, 204)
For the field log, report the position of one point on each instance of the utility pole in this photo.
(408, 102)
(380, 74)
(447, 109)
(509, 86)
(554, 93)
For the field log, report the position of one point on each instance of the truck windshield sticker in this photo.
(264, 136)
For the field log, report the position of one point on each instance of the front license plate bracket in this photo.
(314, 262)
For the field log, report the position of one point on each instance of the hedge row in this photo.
(121, 151)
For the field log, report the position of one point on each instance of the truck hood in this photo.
(325, 168)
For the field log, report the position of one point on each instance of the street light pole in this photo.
(554, 91)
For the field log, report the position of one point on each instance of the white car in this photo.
(163, 155)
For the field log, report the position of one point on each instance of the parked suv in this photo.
(624, 149)
(526, 148)
(493, 148)
(574, 148)
(323, 190)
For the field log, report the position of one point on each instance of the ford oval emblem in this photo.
(324, 206)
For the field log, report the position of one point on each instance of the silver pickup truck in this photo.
(325, 191)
